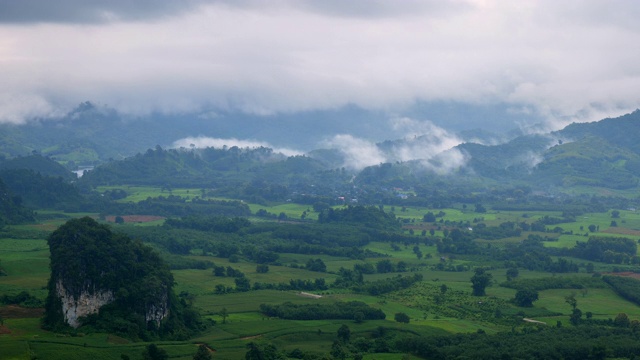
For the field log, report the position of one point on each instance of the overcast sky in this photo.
(560, 59)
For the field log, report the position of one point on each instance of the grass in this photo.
(293, 211)
(139, 193)
(24, 256)
(26, 262)
(603, 303)
(250, 302)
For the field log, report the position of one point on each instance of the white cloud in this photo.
(424, 141)
(446, 162)
(205, 142)
(562, 59)
(357, 153)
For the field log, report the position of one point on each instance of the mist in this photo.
(423, 140)
(206, 142)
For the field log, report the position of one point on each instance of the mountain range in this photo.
(603, 154)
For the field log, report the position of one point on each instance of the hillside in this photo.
(602, 154)
(209, 167)
(38, 164)
(11, 209)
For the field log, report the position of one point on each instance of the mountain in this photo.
(601, 154)
(92, 134)
(39, 164)
(234, 169)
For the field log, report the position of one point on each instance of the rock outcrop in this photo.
(108, 276)
(88, 302)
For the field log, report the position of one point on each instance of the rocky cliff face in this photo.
(158, 310)
(87, 303)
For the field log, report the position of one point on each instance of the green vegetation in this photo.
(338, 310)
(290, 258)
(628, 288)
(88, 260)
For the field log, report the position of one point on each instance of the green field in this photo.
(24, 257)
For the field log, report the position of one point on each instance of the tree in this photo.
(202, 353)
(480, 281)
(119, 220)
(358, 317)
(384, 266)
(622, 320)
(261, 352)
(219, 271)
(337, 351)
(615, 214)
(480, 208)
(344, 333)
(316, 265)
(224, 314)
(443, 289)
(242, 284)
(153, 352)
(401, 266)
(512, 273)
(589, 315)
(592, 228)
(576, 316)
(429, 217)
(571, 300)
(262, 268)
(525, 297)
(401, 318)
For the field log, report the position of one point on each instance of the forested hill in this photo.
(11, 209)
(207, 167)
(38, 181)
(623, 131)
(579, 155)
(603, 154)
(38, 164)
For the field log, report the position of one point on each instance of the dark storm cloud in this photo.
(89, 11)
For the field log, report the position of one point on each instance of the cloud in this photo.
(89, 11)
(16, 108)
(563, 60)
(204, 142)
(357, 153)
(446, 162)
(424, 141)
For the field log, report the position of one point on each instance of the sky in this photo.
(563, 60)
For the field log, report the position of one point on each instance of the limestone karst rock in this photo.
(98, 276)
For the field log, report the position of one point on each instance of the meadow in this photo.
(24, 257)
